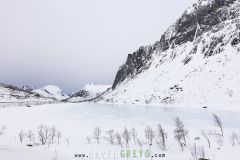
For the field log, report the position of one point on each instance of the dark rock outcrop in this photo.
(81, 93)
(135, 63)
(28, 88)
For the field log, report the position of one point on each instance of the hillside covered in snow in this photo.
(13, 94)
(89, 92)
(51, 91)
(195, 62)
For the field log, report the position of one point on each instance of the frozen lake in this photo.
(87, 116)
(77, 121)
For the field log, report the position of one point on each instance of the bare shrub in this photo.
(218, 123)
(97, 134)
(180, 133)
(198, 153)
(218, 138)
(238, 139)
(53, 134)
(2, 130)
(194, 152)
(234, 139)
(126, 136)
(21, 136)
(205, 135)
(202, 153)
(67, 141)
(88, 140)
(118, 139)
(30, 135)
(139, 142)
(134, 135)
(44, 133)
(59, 136)
(149, 135)
(161, 137)
(110, 136)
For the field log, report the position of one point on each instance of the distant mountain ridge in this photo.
(49, 93)
(10, 94)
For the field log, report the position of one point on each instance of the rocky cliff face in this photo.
(195, 21)
(202, 44)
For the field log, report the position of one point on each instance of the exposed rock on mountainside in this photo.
(196, 61)
(28, 88)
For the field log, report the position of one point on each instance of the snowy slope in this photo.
(89, 92)
(196, 61)
(12, 94)
(51, 91)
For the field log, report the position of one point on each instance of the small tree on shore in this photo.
(218, 123)
(134, 135)
(59, 136)
(2, 130)
(205, 135)
(53, 134)
(126, 136)
(44, 133)
(161, 137)
(118, 139)
(149, 135)
(180, 133)
(110, 136)
(21, 136)
(30, 135)
(97, 134)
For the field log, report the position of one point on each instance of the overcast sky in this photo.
(73, 42)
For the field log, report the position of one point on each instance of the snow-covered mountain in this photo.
(51, 91)
(12, 94)
(90, 91)
(196, 61)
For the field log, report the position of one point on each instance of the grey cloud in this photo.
(73, 42)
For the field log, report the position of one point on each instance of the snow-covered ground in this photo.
(77, 121)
